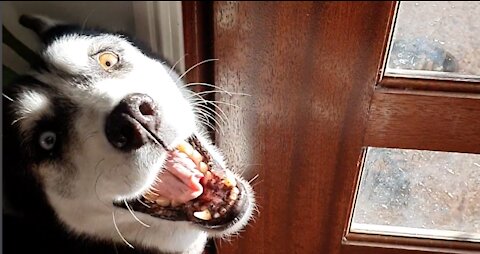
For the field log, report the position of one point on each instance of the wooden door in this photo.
(316, 98)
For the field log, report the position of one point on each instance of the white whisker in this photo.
(143, 203)
(213, 104)
(198, 103)
(253, 178)
(4, 95)
(177, 62)
(206, 84)
(18, 119)
(118, 231)
(256, 183)
(206, 120)
(213, 111)
(206, 113)
(194, 66)
(226, 103)
(220, 91)
(135, 217)
(218, 124)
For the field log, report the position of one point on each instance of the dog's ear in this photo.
(39, 24)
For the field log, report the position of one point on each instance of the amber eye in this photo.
(107, 60)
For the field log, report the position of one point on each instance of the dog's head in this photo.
(91, 127)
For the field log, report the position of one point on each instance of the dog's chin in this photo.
(224, 207)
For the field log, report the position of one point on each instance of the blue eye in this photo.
(47, 140)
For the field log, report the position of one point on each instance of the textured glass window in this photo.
(436, 40)
(419, 193)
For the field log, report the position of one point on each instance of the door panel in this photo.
(419, 121)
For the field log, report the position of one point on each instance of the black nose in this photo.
(132, 122)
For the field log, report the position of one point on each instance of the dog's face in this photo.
(94, 125)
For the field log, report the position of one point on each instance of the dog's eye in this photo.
(47, 140)
(107, 60)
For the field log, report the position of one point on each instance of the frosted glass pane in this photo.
(436, 40)
(419, 193)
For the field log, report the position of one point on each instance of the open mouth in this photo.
(222, 201)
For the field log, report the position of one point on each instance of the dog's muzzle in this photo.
(133, 122)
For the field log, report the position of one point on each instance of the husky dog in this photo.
(103, 152)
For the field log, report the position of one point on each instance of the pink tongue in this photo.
(180, 180)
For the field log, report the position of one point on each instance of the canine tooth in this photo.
(185, 148)
(229, 180)
(196, 157)
(233, 196)
(203, 167)
(162, 201)
(216, 215)
(203, 215)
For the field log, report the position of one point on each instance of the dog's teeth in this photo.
(203, 167)
(203, 215)
(162, 201)
(196, 157)
(216, 215)
(229, 180)
(150, 196)
(222, 211)
(208, 175)
(233, 195)
(185, 148)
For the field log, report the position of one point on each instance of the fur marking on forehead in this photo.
(31, 107)
(72, 53)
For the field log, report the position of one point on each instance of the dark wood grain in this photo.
(310, 69)
(198, 44)
(198, 41)
(429, 122)
(392, 244)
(430, 85)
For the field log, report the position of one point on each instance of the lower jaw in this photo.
(185, 212)
(220, 204)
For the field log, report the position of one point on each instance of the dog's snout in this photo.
(131, 122)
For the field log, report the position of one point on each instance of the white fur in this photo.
(32, 106)
(105, 174)
(68, 54)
